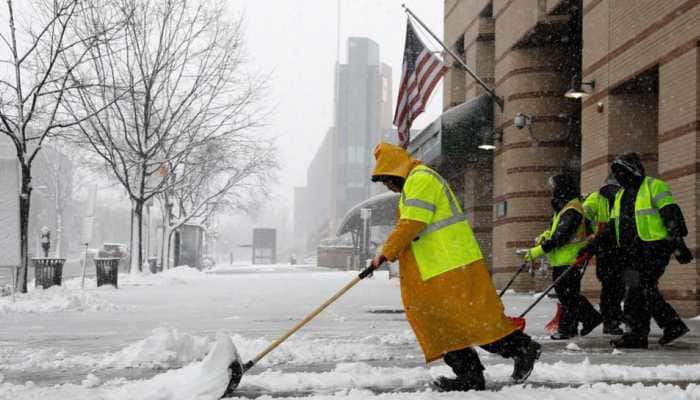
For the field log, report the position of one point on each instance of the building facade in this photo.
(638, 60)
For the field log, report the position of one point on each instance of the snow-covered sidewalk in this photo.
(147, 340)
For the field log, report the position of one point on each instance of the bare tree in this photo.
(181, 63)
(226, 175)
(34, 78)
(62, 181)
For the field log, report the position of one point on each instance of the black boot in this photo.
(525, 362)
(630, 341)
(612, 328)
(461, 383)
(673, 332)
(562, 335)
(588, 326)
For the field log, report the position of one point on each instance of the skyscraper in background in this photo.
(338, 177)
(362, 117)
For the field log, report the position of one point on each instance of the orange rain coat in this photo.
(456, 309)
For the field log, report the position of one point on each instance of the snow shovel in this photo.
(238, 368)
(553, 325)
(581, 262)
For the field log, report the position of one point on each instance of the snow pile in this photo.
(173, 389)
(204, 380)
(171, 277)
(363, 375)
(165, 348)
(54, 299)
(305, 351)
(573, 347)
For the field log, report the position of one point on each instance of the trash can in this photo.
(107, 270)
(153, 264)
(48, 271)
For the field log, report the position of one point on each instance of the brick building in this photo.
(638, 61)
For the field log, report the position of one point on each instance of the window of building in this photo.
(501, 209)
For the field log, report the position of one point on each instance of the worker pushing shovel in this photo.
(448, 296)
(446, 289)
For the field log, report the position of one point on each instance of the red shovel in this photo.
(553, 325)
(581, 262)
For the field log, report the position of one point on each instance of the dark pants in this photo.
(465, 362)
(644, 300)
(574, 306)
(611, 276)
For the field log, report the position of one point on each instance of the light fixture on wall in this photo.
(576, 91)
(487, 141)
(489, 137)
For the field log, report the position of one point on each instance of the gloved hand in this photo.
(534, 253)
(682, 252)
(541, 238)
(378, 261)
(583, 258)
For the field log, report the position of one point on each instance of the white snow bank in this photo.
(165, 348)
(204, 380)
(171, 277)
(54, 299)
(363, 375)
(305, 351)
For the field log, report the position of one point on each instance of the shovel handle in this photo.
(365, 273)
(578, 264)
(522, 267)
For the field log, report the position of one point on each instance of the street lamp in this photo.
(576, 90)
(488, 137)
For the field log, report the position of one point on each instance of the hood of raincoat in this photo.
(628, 170)
(392, 160)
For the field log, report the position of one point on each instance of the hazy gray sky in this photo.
(295, 40)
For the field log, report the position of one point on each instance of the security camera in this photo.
(521, 120)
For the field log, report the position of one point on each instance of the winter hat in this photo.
(564, 187)
(631, 162)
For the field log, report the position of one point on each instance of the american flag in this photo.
(421, 71)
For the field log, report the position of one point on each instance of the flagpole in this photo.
(490, 91)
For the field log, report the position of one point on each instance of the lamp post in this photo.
(365, 216)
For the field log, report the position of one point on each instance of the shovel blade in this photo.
(235, 371)
(553, 325)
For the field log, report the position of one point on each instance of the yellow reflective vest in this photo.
(596, 208)
(566, 255)
(653, 195)
(447, 242)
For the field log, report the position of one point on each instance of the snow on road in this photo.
(150, 340)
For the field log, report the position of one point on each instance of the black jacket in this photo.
(566, 230)
(629, 171)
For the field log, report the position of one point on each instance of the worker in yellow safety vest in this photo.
(608, 270)
(648, 227)
(449, 299)
(561, 244)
